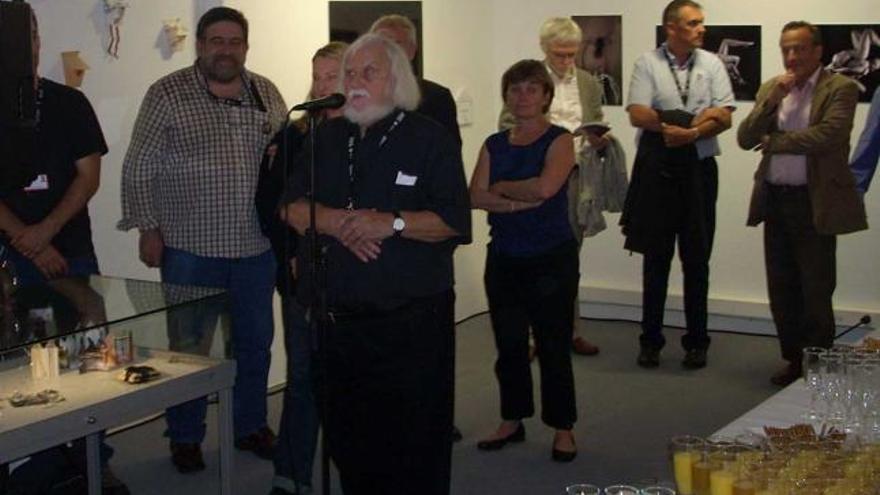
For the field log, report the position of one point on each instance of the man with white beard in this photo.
(392, 206)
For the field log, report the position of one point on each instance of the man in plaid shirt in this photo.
(188, 185)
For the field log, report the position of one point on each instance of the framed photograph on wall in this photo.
(739, 47)
(602, 53)
(853, 50)
(349, 20)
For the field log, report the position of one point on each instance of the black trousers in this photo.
(801, 272)
(694, 229)
(390, 381)
(537, 292)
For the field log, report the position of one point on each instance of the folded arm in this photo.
(557, 168)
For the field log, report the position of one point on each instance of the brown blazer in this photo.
(837, 207)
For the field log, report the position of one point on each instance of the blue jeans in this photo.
(250, 283)
(298, 435)
(28, 273)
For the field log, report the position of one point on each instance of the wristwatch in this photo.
(398, 224)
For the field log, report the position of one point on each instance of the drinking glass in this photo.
(812, 368)
(583, 489)
(686, 451)
(832, 383)
(657, 490)
(621, 490)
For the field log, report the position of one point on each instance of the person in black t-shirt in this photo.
(46, 226)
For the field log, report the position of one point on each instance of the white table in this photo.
(97, 401)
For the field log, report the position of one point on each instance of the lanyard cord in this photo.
(352, 152)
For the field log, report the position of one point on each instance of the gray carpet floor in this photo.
(626, 417)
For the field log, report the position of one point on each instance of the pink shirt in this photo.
(794, 115)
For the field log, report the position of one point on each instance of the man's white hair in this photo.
(399, 22)
(559, 30)
(405, 93)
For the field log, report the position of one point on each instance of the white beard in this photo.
(367, 115)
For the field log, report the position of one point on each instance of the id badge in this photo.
(41, 183)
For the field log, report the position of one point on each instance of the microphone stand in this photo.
(318, 305)
(317, 310)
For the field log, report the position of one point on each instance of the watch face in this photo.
(398, 224)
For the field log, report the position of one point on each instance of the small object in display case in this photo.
(48, 396)
(44, 361)
(139, 374)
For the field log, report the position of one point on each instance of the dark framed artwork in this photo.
(853, 50)
(349, 20)
(739, 47)
(602, 53)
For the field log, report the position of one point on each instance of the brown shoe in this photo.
(787, 375)
(582, 346)
(187, 457)
(260, 442)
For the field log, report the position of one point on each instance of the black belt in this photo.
(369, 311)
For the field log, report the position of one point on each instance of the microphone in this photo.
(335, 100)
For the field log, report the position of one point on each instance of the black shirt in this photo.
(68, 130)
(417, 168)
(438, 104)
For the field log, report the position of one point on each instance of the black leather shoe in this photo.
(787, 375)
(517, 436)
(187, 457)
(261, 443)
(649, 357)
(563, 456)
(694, 359)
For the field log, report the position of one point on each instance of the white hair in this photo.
(559, 30)
(405, 92)
(399, 22)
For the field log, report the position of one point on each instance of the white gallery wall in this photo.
(467, 45)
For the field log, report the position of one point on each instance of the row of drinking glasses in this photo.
(587, 489)
(844, 385)
(780, 467)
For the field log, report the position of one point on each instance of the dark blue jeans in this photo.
(250, 283)
(28, 273)
(298, 435)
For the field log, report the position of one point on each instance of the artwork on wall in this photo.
(349, 20)
(739, 47)
(175, 33)
(74, 68)
(853, 50)
(602, 53)
(115, 11)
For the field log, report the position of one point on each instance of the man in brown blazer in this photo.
(804, 191)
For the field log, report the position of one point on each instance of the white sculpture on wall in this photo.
(114, 10)
(175, 33)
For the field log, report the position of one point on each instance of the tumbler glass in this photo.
(621, 490)
(583, 489)
(686, 451)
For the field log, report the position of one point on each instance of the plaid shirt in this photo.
(192, 166)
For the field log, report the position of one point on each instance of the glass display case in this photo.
(79, 356)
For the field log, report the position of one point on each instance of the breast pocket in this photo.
(406, 190)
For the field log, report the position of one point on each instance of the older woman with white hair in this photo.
(577, 100)
(392, 207)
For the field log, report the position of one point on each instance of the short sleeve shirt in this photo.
(414, 166)
(652, 85)
(68, 130)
